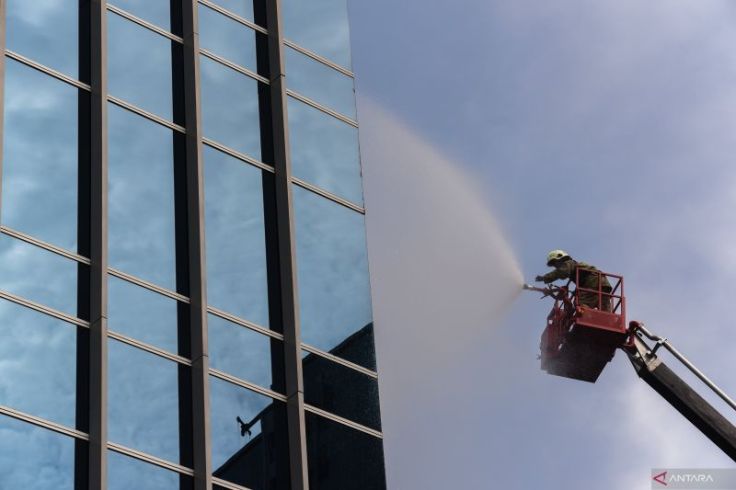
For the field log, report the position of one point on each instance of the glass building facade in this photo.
(184, 290)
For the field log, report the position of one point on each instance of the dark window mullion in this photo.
(196, 274)
(97, 244)
(289, 296)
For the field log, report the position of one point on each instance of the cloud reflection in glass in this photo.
(141, 198)
(235, 237)
(324, 151)
(40, 155)
(334, 289)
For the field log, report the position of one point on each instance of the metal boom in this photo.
(680, 394)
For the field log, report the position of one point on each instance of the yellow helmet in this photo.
(556, 255)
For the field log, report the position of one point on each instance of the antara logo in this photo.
(661, 478)
(664, 480)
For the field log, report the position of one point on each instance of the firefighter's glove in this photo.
(539, 279)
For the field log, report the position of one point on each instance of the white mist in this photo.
(442, 275)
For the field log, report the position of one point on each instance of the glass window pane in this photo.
(38, 364)
(33, 458)
(39, 275)
(157, 12)
(341, 390)
(244, 353)
(340, 457)
(235, 234)
(320, 26)
(141, 197)
(334, 289)
(242, 8)
(46, 32)
(143, 410)
(230, 108)
(39, 195)
(320, 83)
(125, 473)
(259, 457)
(142, 314)
(227, 38)
(140, 66)
(324, 151)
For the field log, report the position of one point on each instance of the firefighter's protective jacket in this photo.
(566, 270)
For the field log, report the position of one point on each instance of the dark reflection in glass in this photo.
(235, 234)
(243, 8)
(143, 411)
(244, 353)
(320, 26)
(230, 108)
(34, 458)
(341, 390)
(141, 197)
(320, 83)
(125, 473)
(46, 32)
(340, 457)
(142, 314)
(37, 364)
(324, 151)
(227, 38)
(253, 454)
(332, 265)
(157, 12)
(39, 194)
(140, 66)
(39, 275)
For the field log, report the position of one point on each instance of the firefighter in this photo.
(566, 267)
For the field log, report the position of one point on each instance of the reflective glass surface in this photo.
(141, 197)
(235, 235)
(47, 32)
(143, 410)
(125, 473)
(230, 108)
(258, 458)
(139, 66)
(38, 364)
(332, 265)
(320, 26)
(157, 12)
(39, 275)
(242, 8)
(142, 314)
(324, 151)
(39, 194)
(244, 353)
(33, 458)
(341, 390)
(227, 38)
(320, 83)
(340, 457)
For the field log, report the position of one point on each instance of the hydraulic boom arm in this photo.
(678, 393)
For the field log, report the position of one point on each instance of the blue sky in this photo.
(606, 128)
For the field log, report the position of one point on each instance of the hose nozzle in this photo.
(529, 287)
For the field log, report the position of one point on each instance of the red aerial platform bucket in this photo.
(584, 328)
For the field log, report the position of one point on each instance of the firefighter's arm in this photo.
(563, 272)
(552, 276)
